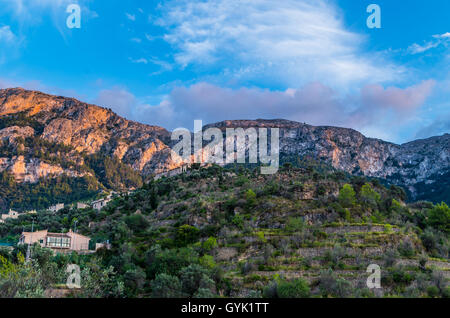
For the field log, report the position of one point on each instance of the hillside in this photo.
(304, 232)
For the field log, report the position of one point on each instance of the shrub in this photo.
(369, 196)
(406, 249)
(186, 234)
(432, 291)
(250, 196)
(295, 224)
(166, 286)
(194, 277)
(261, 236)
(329, 285)
(209, 244)
(439, 217)
(298, 288)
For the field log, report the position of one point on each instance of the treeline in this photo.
(44, 193)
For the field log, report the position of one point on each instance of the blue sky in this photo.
(170, 62)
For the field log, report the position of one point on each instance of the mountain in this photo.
(48, 137)
(421, 166)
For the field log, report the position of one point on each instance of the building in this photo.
(100, 204)
(105, 245)
(70, 241)
(56, 208)
(11, 215)
(81, 206)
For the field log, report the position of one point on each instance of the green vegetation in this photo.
(234, 233)
(97, 172)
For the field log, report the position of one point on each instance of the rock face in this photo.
(92, 129)
(346, 149)
(87, 128)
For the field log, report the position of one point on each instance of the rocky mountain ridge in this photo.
(90, 129)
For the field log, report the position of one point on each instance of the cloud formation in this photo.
(438, 40)
(293, 41)
(315, 104)
(30, 12)
(6, 35)
(439, 127)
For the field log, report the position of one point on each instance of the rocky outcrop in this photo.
(348, 150)
(87, 128)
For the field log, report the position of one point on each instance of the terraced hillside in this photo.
(304, 232)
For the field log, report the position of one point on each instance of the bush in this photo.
(329, 285)
(195, 277)
(166, 286)
(298, 288)
(439, 217)
(186, 234)
(295, 224)
(209, 244)
(406, 249)
(369, 196)
(250, 196)
(433, 291)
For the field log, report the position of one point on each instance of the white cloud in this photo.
(130, 17)
(293, 41)
(139, 61)
(442, 36)
(375, 110)
(438, 39)
(6, 35)
(30, 12)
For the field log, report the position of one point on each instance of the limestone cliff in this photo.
(420, 161)
(87, 128)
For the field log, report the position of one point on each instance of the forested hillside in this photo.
(304, 232)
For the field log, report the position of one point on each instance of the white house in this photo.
(11, 215)
(81, 206)
(100, 204)
(56, 208)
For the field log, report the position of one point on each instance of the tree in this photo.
(194, 277)
(347, 197)
(439, 217)
(250, 196)
(186, 234)
(209, 244)
(369, 195)
(166, 286)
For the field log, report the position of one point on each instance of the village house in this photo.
(100, 204)
(81, 206)
(11, 215)
(105, 245)
(56, 208)
(70, 241)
